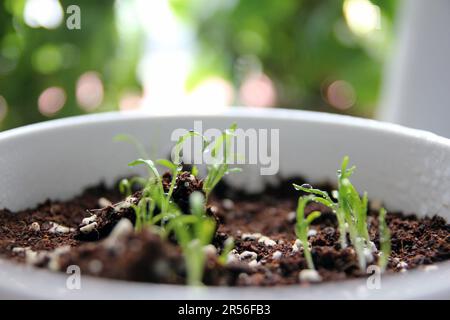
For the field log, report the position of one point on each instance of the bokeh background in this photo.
(191, 56)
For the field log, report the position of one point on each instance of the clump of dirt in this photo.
(95, 232)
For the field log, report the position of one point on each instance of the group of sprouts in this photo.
(156, 208)
(351, 214)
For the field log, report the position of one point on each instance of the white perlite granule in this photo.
(250, 236)
(267, 241)
(296, 246)
(89, 228)
(309, 275)
(123, 227)
(36, 227)
(89, 220)
(57, 228)
(277, 255)
(127, 203)
(312, 232)
(227, 204)
(248, 255)
(95, 266)
(103, 202)
(210, 250)
(253, 264)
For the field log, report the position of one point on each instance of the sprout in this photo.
(302, 226)
(385, 240)
(350, 210)
(220, 167)
(193, 232)
(126, 185)
(227, 247)
(132, 140)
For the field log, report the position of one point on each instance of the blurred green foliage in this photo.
(302, 45)
(33, 59)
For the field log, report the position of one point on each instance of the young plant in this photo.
(133, 141)
(350, 210)
(227, 247)
(385, 240)
(153, 194)
(221, 154)
(302, 227)
(126, 185)
(193, 232)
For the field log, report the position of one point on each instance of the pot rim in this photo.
(235, 112)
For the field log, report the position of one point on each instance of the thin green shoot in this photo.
(302, 227)
(385, 240)
(194, 171)
(126, 185)
(221, 153)
(350, 210)
(193, 232)
(154, 186)
(227, 247)
(323, 198)
(132, 140)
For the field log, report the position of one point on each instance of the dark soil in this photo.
(57, 234)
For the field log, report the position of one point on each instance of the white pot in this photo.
(407, 169)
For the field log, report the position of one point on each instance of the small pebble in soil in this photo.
(89, 220)
(33, 257)
(248, 255)
(127, 203)
(57, 228)
(232, 257)
(309, 275)
(20, 249)
(267, 241)
(312, 232)
(253, 264)
(95, 266)
(277, 255)
(35, 227)
(296, 246)
(210, 250)
(251, 236)
(123, 228)
(402, 265)
(103, 202)
(291, 216)
(89, 228)
(228, 204)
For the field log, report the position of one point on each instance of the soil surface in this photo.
(95, 232)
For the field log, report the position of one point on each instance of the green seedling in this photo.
(302, 227)
(350, 210)
(385, 240)
(227, 247)
(193, 232)
(221, 154)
